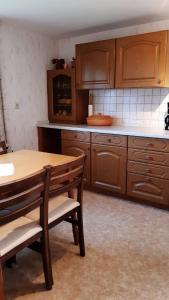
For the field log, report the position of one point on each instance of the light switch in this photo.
(17, 105)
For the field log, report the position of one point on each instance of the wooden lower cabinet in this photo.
(108, 167)
(148, 188)
(77, 148)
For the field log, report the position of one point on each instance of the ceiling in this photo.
(71, 17)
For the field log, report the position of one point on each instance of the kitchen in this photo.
(121, 72)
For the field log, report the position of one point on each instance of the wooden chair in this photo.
(3, 149)
(16, 231)
(63, 179)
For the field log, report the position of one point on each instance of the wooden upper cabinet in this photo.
(142, 60)
(95, 64)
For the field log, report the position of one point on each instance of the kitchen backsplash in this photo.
(137, 106)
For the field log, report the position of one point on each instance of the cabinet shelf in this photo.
(63, 98)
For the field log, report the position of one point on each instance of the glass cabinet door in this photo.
(62, 95)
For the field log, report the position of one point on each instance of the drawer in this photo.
(148, 188)
(151, 157)
(76, 135)
(148, 144)
(109, 139)
(148, 169)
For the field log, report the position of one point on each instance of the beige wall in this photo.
(24, 58)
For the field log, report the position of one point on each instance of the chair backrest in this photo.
(19, 198)
(3, 149)
(67, 176)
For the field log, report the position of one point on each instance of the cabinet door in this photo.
(109, 167)
(151, 189)
(95, 65)
(77, 148)
(65, 104)
(141, 60)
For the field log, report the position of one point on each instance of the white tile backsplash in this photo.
(137, 106)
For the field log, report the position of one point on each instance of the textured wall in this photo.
(24, 58)
(137, 107)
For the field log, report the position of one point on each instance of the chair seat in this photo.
(58, 206)
(16, 232)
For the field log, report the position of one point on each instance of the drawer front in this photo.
(76, 135)
(148, 169)
(148, 144)
(109, 139)
(148, 157)
(148, 188)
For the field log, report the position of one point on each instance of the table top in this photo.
(23, 163)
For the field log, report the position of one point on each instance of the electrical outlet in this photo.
(17, 105)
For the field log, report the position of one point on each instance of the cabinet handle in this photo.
(109, 140)
(149, 158)
(159, 81)
(148, 171)
(150, 145)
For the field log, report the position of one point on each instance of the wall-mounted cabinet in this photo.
(65, 104)
(95, 65)
(141, 60)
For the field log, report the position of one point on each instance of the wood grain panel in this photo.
(145, 187)
(95, 64)
(109, 139)
(148, 169)
(75, 135)
(159, 158)
(148, 143)
(109, 167)
(141, 60)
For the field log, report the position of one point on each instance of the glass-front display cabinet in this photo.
(65, 103)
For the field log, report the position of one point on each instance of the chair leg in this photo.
(81, 233)
(47, 267)
(75, 229)
(1, 283)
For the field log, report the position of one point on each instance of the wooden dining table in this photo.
(23, 163)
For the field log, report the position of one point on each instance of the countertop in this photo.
(122, 130)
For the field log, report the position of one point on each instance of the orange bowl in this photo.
(99, 120)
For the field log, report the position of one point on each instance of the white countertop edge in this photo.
(122, 130)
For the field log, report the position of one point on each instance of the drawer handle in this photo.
(150, 145)
(149, 158)
(148, 171)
